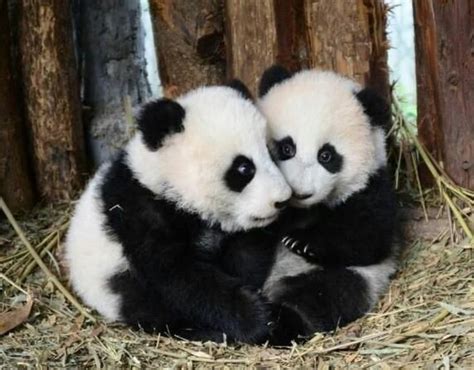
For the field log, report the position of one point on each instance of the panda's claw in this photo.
(293, 245)
(285, 240)
(305, 249)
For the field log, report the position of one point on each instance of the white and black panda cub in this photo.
(141, 242)
(339, 239)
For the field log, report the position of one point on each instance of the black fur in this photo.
(358, 232)
(241, 88)
(240, 173)
(249, 255)
(285, 148)
(375, 107)
(272, 76)
(169, 285)
(334, 164)
(159, 119)
(364, 230)
(320, 300)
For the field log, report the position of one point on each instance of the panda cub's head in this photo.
(328, 133)
(206, 152)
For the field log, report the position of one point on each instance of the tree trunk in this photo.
(189, 38)
(445, 84)
(114, 76)
(252, 44)
(291, 34)
(349, 37)
(52, 96)
(16, 185)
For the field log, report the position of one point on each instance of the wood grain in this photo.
(190, 43)
(51, 92)
(444, 43)
(251, 40)
(16, 185)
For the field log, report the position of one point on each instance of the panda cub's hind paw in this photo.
(299, 246)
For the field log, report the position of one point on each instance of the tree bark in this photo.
(16, 185)
(52, 96)
(291, 34)
(349, 37)
(114, 76)
(346, 37)
(251, 37)
(189, 38)
(445, 84)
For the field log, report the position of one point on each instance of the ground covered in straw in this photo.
(427, 317)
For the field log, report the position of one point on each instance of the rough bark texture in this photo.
(349, 37)
(445, 83)
(291, 34)
(251, 39)
(52, 96)
(189, 38)
(16, 185)
(113, 72)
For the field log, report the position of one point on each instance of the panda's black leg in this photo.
(199, 296)
(322, 300)
(142, 306)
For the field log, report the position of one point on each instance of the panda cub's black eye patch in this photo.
(240, 173)
(329, 158)
(285, 148)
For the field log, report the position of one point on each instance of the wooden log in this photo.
(115, 79)
(251, 39)
(346, 37)
(51, 94)
(16, 186)
(445, 84)
(190, 45)
(349, 37)
(291, 34)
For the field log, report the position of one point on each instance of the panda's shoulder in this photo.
(377, 195)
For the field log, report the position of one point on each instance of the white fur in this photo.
(190, 166)
(314, 108)
(92, 257)
(286, 264)
(377, 277)
(189, 169)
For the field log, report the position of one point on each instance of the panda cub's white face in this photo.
(323, 141)
(218, 165)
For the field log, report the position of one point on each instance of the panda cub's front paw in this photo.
(297, 244)
(253, 314)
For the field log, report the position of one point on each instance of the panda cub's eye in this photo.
(286, 148)
(325, 156)
(240, 173)
(330, 159)
(246, 169)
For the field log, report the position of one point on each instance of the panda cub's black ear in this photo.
(375, 107)
(238, 85)
(272, 76)
(159, 119)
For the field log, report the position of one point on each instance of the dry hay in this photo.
(425, 320)
(427, 317)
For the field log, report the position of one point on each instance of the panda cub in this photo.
(338, 245)
(141, 242)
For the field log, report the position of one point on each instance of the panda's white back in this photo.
(91, 254)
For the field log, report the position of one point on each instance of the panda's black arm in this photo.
(249, 256)
(359, 232)
(195, 293)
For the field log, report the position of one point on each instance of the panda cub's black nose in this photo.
(280, 205)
